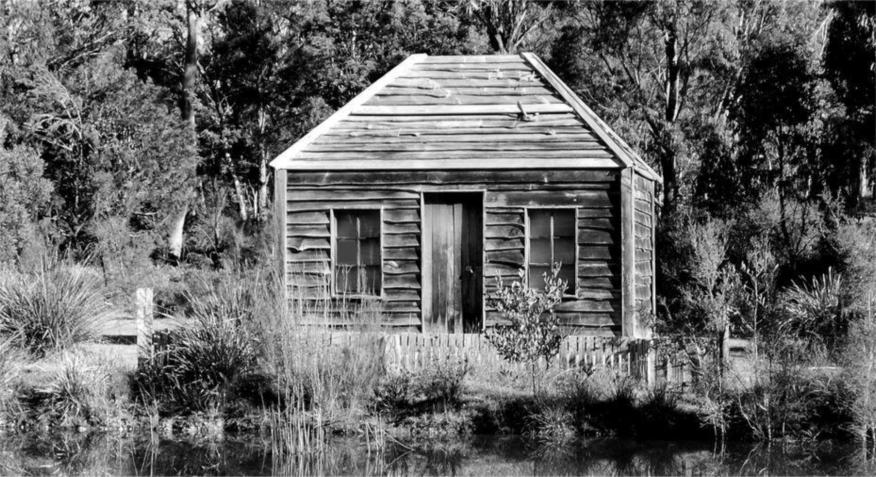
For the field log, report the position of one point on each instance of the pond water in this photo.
(149, 455)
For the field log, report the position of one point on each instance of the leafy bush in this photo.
(51, 308)
(533, 331)
(436, 388)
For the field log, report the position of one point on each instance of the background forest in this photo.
(135, 136)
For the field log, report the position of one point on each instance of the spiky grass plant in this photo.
(51, 308)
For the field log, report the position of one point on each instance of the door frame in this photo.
(426, 278)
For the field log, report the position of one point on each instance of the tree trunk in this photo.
(668, 159)
(190, 70)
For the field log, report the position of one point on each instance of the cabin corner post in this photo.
(629, 327)
(280, 221)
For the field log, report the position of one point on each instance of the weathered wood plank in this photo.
(592, 223)
(308, 256)
(351, 203)
(400, 294)
(401, 228)
(401, 253)
(409, 281)
(598, 269)
(463, 177)
(588, 306)
(401, 240)
(596, 252)
(580, 154)
(495, 244)
(598, 294)
(321, 217)
(486, 81)
(448, 147)
(400, 267)
(429, 135)
(512, 257)
(391, 215)
(461, 99)
(308, 230)
(296, 194)
(298, 244)
(590, 198)
(462, 109)
(483, 59)
(599, 282)
(504, 231)
(587, 236)
(434, 90)
(480, 66)
(585, 213)
(503, 218)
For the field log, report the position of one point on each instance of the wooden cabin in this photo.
(451, 171)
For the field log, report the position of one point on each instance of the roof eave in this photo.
(617, 145)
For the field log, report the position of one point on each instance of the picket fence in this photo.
(417, 351)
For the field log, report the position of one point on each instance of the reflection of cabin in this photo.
(452, 170)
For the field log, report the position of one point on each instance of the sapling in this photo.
(533, 330)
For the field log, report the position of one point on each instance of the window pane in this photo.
(568, 273)
(346, 249)
(564, 251)
(540, 251)
(539, 223)
(346, 224)
(371, 280)
(370, 251)
(369, 224)
(346, 281)
(564, 223)
(536, 276)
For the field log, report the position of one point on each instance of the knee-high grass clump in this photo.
(50, 308)
(210, 361)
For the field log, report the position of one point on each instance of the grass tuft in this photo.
(51, 308)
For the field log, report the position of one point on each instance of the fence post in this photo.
(144, 316)
(650, 363)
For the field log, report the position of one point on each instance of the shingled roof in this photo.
(463, 112)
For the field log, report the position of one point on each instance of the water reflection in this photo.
(95, 454)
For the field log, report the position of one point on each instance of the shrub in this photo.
(51, 308)
(436, 388)
(533, 331)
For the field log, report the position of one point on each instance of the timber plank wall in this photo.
(593, 194)
(644, 223)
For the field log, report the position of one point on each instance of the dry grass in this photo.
(51, 308)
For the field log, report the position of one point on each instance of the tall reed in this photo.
(324, 354)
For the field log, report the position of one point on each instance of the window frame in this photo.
(335, 293)
(572, 290)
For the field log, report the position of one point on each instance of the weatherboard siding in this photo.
(311, 196)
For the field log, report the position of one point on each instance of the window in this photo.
(357, 264)
(552, 239)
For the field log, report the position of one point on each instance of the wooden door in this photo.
(452, 263)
